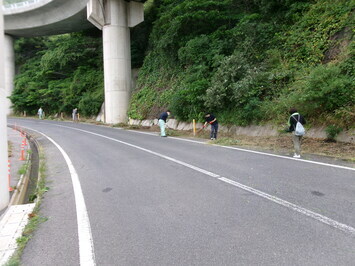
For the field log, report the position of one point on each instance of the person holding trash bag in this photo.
(296, 122)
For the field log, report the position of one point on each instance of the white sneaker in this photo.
(297, 156)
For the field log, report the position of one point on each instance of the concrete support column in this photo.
(9, 70)
(4, 185)
(117, 61)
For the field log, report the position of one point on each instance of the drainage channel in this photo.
(30, 195)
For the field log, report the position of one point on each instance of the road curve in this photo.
(165, 201)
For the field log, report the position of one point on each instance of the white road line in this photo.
(256, 152)
(314, 215)
(301, 210)
(245, 150)
(148, 151)
(288, 158)
(86, 244)
(152, 134)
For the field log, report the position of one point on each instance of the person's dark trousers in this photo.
(214, 130)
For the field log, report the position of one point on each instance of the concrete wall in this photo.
(4, 183)
(9, 71)
(267, 130)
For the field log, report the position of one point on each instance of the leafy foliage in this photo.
(332, 131)
(249, 61)
(246, 61)
(59, 73)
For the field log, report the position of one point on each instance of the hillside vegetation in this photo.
(59, 73)
(247, 61)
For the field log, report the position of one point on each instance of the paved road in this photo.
(165, 201)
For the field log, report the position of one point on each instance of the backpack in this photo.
(299, 129)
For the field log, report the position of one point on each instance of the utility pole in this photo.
(4, 186)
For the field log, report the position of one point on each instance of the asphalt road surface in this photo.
(120, 197)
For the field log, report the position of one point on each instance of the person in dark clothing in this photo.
(162, 120)
(212, 120)
(294, 118)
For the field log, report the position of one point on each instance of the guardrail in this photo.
(20, 4)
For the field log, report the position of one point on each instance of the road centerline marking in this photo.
(299, 209)
(316, 216)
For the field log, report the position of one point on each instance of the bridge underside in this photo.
(61, 27)
(47, 17)
(53, 17)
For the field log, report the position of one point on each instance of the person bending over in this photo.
(212, 120)
(162, 121)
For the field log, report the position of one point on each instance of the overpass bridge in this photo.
(33, 18)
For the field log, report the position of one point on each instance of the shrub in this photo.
(324, 90)
(332, 132)
(141, 103)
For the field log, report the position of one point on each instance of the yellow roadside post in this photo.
(194, 126)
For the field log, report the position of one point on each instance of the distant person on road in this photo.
(162, 121)
(75, 115)
(40, 113)
(212, 120)
(296, 138)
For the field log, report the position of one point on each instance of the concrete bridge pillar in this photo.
(4, 185)
(117, 61)
(119, 15)
(9, 71)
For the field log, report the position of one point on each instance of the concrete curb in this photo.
(16, 217)
(254, 131)
(21, 188)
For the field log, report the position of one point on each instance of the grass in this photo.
(281, 143)
(278, 144)
(126, 126)
(225, 141)
(174, 133)
(23, 169)
(32, 225)
(10, 148)
(35, 219)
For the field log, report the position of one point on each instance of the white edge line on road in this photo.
(239, 149)
(86, 244)
(301, 210)
(255, 152)
(153, 134)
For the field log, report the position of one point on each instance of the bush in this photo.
(187, 103)
(90, 104)
(141, 103)
(332, 132)
(324, 90)
(61, 73)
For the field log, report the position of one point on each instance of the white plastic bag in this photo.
(299, 130)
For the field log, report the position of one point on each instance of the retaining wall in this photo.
(267, 130)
